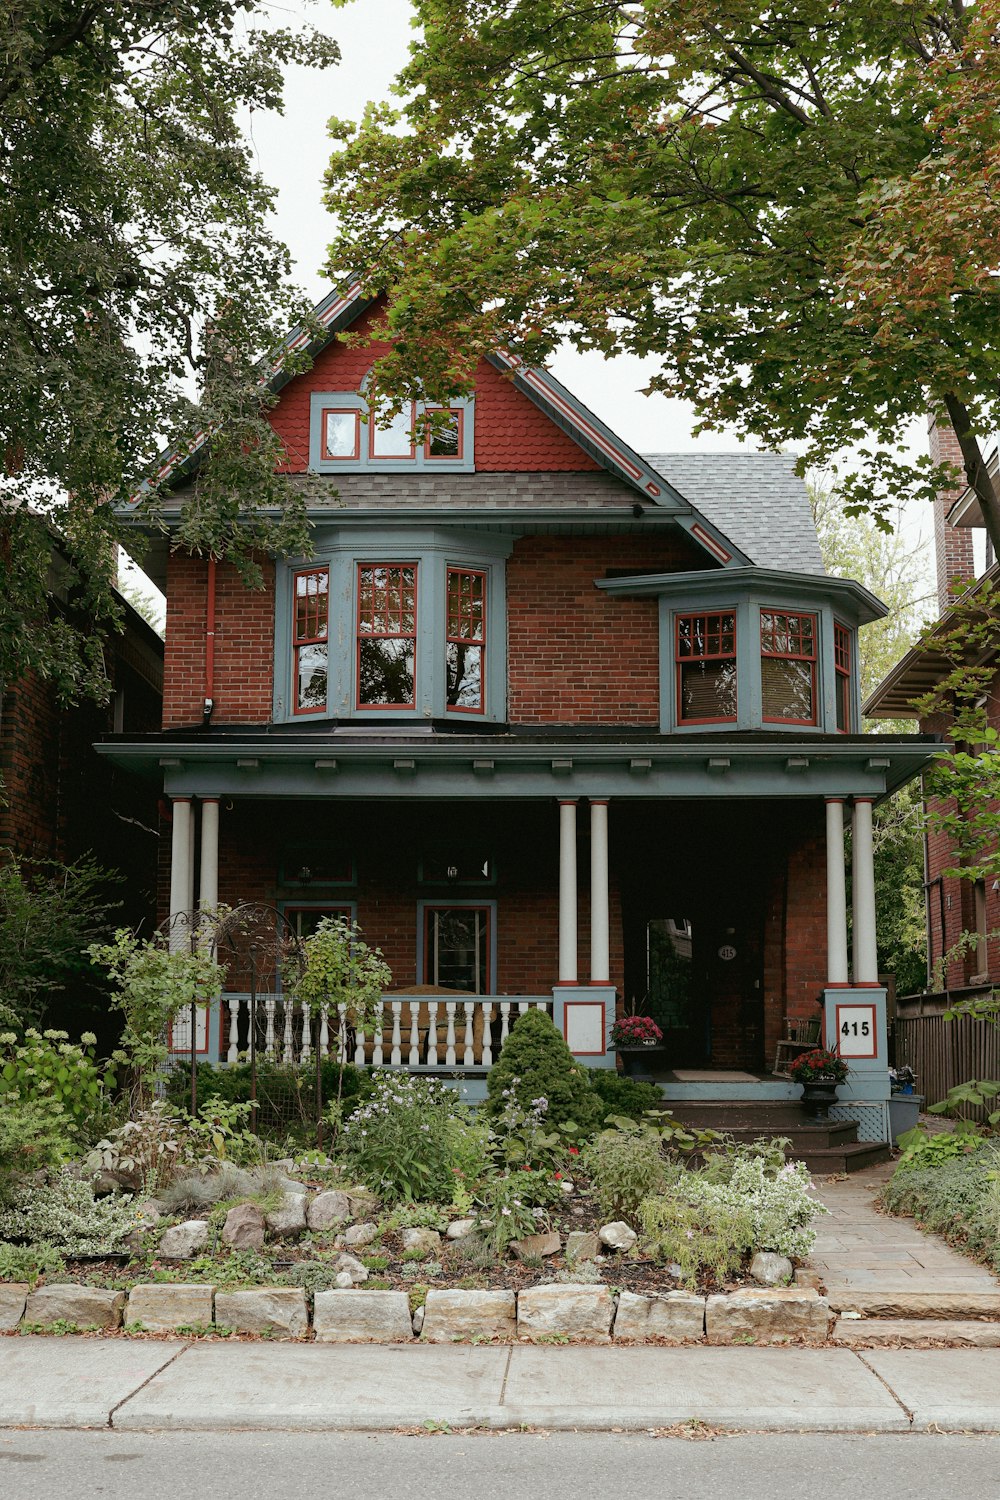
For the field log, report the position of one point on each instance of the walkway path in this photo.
(860, 1248)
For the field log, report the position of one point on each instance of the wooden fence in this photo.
(945, 1053)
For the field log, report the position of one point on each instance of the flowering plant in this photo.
(402, 1141)
(820, 1063)
(635, 1031)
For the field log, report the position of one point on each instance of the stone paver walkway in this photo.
(860, 1248)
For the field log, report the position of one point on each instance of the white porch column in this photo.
(208, 898)
(181, 869)
(836, 893)
(863, 867)
(567, 893)
(599, 905)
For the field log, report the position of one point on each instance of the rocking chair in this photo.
(800, 1036)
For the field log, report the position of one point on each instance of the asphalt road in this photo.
(503, 1466)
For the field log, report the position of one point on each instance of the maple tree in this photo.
(792, 206)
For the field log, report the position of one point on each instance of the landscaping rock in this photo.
(85, 1306)
(809, 1278)
(364, 1203)
(452, 1315)
(617, 1236)
(288, 1221)
(573, 1309)
(165, 1306)
(772, 1316)
(359, 1234)
(274, 1310)
(418, 1320)
(13, 1295)
(427, 1241)
(244, 1227)
(343, 1279)
(536, 1245)
(582, 1245)
(349, 1265)
(567, 1186)
(459, 1228)
(328, 1210)
(105, 1181)
(343, 1317)
(181, 1241)
(660, 1315)
(148, 1212)
(770, 1269)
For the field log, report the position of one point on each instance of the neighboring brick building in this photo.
(555, 721)
(954, 907)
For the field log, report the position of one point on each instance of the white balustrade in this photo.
(286, 1041)
(487, 1058)
(449, 1048)
(270, 1005)
(234, 1029)
(324, 1030)
(432, 1033)
(396, 1056)
(468, 1055)
(306, 1050)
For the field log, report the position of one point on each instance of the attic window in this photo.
(341, 439)
(445, 439)
(346, 434)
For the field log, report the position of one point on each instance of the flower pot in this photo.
(818, 1095)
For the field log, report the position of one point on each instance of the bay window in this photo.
(310, 639)
(387, 635)
(788, 667)
(705, 659)
(842, 671)
(465, 639)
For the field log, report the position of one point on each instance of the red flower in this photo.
(526, 1168)
(557, 1176)
(574, 1151)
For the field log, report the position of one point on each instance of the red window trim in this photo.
(842, 671)
(390, 458)
(682, 661)
(339, 458)
(456, 640)
(369, 635)
(447, 458)
(487, 912)
(792, 614)
(308, 640)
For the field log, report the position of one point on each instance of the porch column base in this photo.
(584, 1014)
(854, 1025)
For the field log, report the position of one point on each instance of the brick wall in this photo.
(244, 644)
(575, 655)
(511, 433)
(952, 544)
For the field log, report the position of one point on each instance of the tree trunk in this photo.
(975, 468)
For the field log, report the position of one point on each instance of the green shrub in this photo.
(65, 1214)
(33, 1138)
(956, 1197)
(29, 1262)
(711, 1236)
(48, 1067)
(619, 1095)
(624, 1167)
(509, 1208)
(536, 1064)
(399, 1142)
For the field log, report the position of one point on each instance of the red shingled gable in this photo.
(511, 432)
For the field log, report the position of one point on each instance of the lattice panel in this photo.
(872, 1119)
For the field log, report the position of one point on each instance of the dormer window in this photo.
(346, 434)
(788, 667)
(340, 435)
(706, 668)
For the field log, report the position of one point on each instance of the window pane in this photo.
(303, 920)
(465, 676)
(340, 434)
(458, 949)
(444, 441)
(311, 605)
(843, 688)
(385, 670)
(312, 664)
(466, 605)
(708, 690)
(391, 436)
(387, 599)
(787, 688)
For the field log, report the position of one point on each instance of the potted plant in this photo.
(819, 1072)
(635, 1031)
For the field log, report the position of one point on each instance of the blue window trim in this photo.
(319, 401)
(469, 902)
(433, 550)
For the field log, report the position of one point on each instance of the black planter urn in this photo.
(817, 1096)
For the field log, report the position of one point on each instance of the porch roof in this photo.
(347, 761)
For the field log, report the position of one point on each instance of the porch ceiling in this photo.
(496, 767)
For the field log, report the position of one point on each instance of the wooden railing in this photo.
(416, 1033)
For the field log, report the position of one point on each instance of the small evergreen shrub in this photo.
(537, 1064)
(622, 1096)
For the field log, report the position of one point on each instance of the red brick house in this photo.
(558, 723)
(954, 907)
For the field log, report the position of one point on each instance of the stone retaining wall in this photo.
(557, 1311)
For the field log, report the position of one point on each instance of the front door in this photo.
(728, 964)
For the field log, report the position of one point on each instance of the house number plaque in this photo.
(727, 952)
(856, 1031)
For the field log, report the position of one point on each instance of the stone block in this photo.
(244, 1227)
(273, 1310)
(181, 1241)
(452, 1315)
(575, 1310)
(805, 1277)
(364, 1203)
(660, 1315)
(288, 1221)
(13, 1295)
(328, 1210)
(768, 1315)
(85, 1306)
(162, 1307)
(582, 1244)
(346, 1317)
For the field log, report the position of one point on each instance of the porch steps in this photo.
(827, 1146)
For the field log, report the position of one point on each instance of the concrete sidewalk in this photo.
(134, 1384)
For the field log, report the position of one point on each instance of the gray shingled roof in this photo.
(755, 499)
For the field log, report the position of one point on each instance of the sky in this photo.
(292, 150)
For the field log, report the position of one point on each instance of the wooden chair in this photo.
(800, 1036)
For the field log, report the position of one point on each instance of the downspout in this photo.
(209, 703)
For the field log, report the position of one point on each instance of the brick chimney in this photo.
(952, 544)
